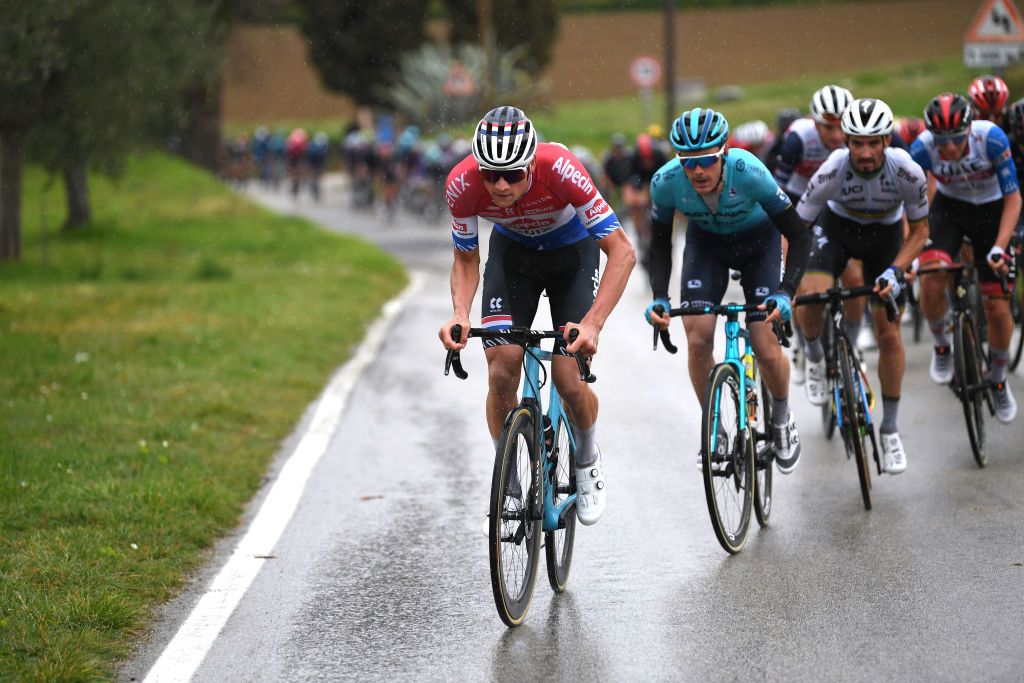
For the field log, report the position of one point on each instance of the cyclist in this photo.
(783, 120)
(550, 225)
(974, 193)
(736, 212)
(616, 168)
(755, 137)
(806, 145)
(909, 129)
(857, 200)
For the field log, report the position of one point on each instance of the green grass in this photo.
(150, 366)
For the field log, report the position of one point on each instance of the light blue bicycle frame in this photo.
(733, 333)
(531, 395)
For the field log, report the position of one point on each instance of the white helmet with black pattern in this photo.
(868, 117)
(504, 139)
(829, 103)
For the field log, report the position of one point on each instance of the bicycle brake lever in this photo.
(581, 362)
(666, 341)
(453, 359)
(892, 309)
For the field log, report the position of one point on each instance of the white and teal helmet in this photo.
(504, 139)
(699, 129)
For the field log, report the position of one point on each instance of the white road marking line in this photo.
(190, 645)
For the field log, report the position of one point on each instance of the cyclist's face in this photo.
(504, 194)
(831, 134)
(950, 147)
(704, 180)
(867, 153)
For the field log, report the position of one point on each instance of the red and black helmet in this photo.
(948, 114)
(989, 95)
(1016, 116)
(909, 129)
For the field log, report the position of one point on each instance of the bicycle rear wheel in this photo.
(1018, 321)
(515, 528)
(558, 544)
(967, 364)
(853, 424)
(728, 459)
(763, 449)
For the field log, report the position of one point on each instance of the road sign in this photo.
(645, 71)
(995, 37)
(459, 82)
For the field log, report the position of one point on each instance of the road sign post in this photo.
(995, 38)
(645, 72)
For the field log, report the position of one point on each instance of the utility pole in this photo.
(487, 37)
(670, 64)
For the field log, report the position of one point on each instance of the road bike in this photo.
(736, 423)
(852, 400)
(533, 486)
(970, 359)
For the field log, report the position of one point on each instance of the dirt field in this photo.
(268, 76)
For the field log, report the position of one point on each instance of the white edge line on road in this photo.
(187, 650)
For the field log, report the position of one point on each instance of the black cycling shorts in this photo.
(516, 275)
(708, 257)
(952, 220)
(837, 240)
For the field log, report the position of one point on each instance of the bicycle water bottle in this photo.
(549, 436)
(748, 368)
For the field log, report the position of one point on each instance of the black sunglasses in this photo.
(511, 175)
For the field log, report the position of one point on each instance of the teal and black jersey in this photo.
(749, 197)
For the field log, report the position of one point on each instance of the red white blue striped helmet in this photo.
(504, 139)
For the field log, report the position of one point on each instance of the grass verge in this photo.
(150, 365)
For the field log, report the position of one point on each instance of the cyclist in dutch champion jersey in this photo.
(549, 225)
(972, 183)
(736, 213)
(856, 202)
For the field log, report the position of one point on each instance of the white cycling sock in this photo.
(1000, 360)
(586, 453)
(940, 330)
(815, 351)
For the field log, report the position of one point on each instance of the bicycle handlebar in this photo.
(1004, 282)
(782, 331)
(839, 294)
(522, 336)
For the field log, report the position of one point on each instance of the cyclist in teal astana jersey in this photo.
(736, 213)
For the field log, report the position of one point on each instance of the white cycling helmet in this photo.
(753, 133)
(868, 117)
(829, 103)
(504, 139)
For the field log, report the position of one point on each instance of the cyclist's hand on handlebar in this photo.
(445, 335)
(586, 339)
(783, 310)
(586, 342)
(998, 260)
(654, 318)
(910, 275)
(889, 282)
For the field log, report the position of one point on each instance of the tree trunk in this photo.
(201, 140)
(77, 190)
(10, 195)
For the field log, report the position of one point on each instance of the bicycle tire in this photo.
(762, 451)
(828, 409)
(1019, 350)
(967, 365)
(853, 427)
(514, 536)
(728, 489)
(558, 545)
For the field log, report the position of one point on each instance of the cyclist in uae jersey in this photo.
(736, 213)
(550, 223)
(857, 200)
(974, 194)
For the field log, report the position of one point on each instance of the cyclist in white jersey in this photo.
(973, 190)
(859, 196)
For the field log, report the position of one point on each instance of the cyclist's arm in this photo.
(920, 155)
(798, 237)
(621, 259)
(789, 156)
(917, 235)
(465, 279)
(998, 147)
(661, 257)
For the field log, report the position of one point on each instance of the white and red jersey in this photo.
(802, 154)
(561, 207)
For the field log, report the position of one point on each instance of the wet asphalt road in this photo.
(382, 572)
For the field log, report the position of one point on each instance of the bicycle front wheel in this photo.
(763, 450)
(514, 529)
(728, 459)
(562, 480)
(967, 364)
(853, 423)
(828, 410)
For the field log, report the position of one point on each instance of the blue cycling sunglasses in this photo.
(702, 160)
(954, 138)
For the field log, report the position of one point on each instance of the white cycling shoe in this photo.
(894, 459)
(816, 385)
(590, 492)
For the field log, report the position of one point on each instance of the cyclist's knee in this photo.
(888, 338)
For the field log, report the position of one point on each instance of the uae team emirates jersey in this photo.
(561, 207)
